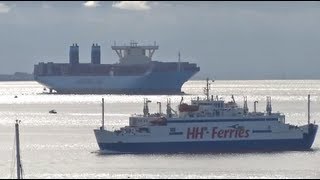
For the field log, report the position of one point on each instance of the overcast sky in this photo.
(228, 40)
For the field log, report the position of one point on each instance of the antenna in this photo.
(179, 62)
(308, 108)
(102, 127)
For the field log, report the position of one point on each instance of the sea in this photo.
(63, 145)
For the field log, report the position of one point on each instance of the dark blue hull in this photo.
(216, 146)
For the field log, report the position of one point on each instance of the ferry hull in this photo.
(258, 145)
(207, 146)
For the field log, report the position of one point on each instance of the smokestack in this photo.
(74, 54)
(95, 54)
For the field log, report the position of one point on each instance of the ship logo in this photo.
(173, 132)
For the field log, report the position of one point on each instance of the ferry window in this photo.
(143, 129)
(282, 119)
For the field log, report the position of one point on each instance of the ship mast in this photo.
(19, 167)
(207, 89)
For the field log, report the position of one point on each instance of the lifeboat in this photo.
(188, 108)
(159, 121)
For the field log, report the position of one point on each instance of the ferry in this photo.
(208, 125)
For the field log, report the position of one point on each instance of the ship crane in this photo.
(169, 108)
(255, 106)
(159, 108)
(245, 106)
(145, 107)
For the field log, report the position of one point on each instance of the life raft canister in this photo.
(187, 108)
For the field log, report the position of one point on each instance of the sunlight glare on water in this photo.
(63, 145)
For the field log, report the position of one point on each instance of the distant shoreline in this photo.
(18, 76)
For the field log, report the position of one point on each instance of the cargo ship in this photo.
(207, 125)
(135, 73)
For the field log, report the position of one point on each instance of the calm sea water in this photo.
(63, 145)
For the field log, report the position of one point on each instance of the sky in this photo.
(228, 40)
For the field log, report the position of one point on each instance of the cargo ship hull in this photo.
(152, 83)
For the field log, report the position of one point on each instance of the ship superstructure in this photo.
(204, 126)
(135, 73)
